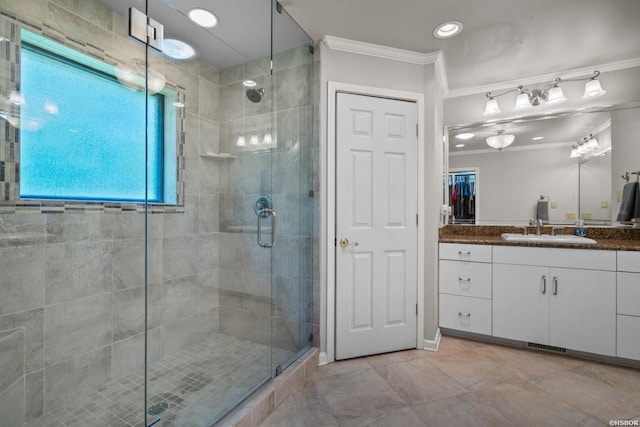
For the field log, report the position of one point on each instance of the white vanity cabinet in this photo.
(558, 297)
(465, 287)
(628, 308)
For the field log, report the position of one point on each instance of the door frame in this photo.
(329, 200)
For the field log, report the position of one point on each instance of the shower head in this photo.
(255, 95)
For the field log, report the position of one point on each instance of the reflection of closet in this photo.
(462, 196)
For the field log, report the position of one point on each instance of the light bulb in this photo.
(522, 102)
(492, 107)
(593, 89)
(556, 95)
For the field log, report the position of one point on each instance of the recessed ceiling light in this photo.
(203, 17)
(177, 49)
(249, 83)
(467, 135)
(447, 29)
(459, 145)
(537, 138)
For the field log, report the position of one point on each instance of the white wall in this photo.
(365, 70)
(511, 181)
(625, 155)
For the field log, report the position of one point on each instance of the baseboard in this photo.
(432, 345)
(322, 359)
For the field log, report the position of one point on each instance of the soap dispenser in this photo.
(580, 229)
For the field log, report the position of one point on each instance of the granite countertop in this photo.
(606, 238)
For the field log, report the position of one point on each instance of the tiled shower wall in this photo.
(284, 173)
(71, 284)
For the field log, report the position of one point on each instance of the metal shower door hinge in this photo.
(147, 30)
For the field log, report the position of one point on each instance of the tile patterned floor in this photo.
(199, 383)
(465, 383)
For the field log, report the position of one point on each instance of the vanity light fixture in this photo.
(500, 140)
(447, 29)
(586, 146)
(241, 142)
(203, 17)
(551, 93)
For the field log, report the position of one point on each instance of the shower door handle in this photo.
(263, 213)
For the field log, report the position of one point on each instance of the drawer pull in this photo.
(555, 285)
(464, 279)
(544, 284)
(461, 314)
(464, 252)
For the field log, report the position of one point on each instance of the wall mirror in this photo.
(538, 163)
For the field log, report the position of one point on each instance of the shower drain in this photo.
(158, 408)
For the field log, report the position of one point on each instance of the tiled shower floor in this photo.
(199, 384)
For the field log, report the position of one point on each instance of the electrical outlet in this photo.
(586, 215)
(570, 216)
(554, 205)
(604, 205)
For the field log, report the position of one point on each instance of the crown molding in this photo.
(605, 125)
(391, 53)
(545, 78)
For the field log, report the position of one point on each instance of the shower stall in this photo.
(157, 181)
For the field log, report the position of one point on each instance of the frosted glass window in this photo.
(82, 135)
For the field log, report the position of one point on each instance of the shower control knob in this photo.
(345, 243)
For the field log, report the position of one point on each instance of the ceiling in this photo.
(243, 32)
(502, 40)
(557, 130)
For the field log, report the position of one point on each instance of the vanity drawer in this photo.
(465, 314)
(628, 342)
(629, 294)
(472, 279)
(629, 261)
(462, 252)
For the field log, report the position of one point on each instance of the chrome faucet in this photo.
(538, 226)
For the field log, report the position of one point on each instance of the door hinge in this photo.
(416, 219)
(335, 241)
(417, 134)
(416, 309)
(145, 29)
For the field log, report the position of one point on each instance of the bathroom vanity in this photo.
(559, 297)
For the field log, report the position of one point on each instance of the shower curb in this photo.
(265, 400)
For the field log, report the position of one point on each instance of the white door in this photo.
(376, 225)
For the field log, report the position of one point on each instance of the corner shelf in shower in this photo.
(218, 155)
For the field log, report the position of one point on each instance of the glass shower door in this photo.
(293, 187)
(209, 299)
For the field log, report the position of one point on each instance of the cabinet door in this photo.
(521, 302)
(582, 310)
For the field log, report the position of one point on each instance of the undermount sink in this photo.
(548, 238)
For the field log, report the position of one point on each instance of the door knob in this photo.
(345, 242)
